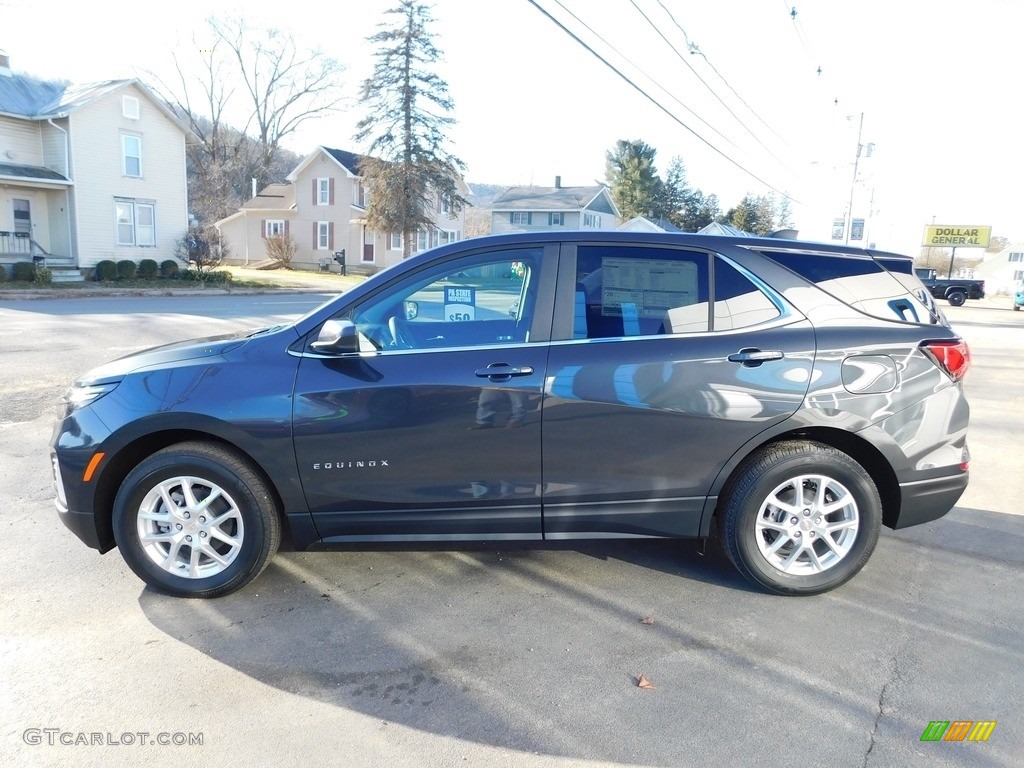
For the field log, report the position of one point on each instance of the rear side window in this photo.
(859, 281)
(635, 291)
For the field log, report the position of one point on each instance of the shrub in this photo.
(3, 274)
(126, 269)
(106, 270)
(43, 276)
(148, 269)
(193, 275)
(282, 249)
(24, 271)
(202, 249)
(169, 268)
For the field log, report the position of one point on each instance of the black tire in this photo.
(232, 517)
(957, 298)
(1016, 307)
(751, 527)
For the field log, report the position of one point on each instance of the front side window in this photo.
(131, 147)
(481, 300)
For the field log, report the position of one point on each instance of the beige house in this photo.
(322, 208)
(87, 173)
(529, 209)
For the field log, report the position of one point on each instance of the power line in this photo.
(702, 80)
(695, 49)
(655, 102)
(638, 69)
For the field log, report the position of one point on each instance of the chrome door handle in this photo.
(752, 358)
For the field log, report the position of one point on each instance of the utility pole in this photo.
(853, 182)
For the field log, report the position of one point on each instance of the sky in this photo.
(767, 103)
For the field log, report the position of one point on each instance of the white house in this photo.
(88, 172)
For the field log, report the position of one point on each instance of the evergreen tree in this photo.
(698, 211)
(408, 110)
(673, 193)
(634, 183)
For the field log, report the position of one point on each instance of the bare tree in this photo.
(259, 79)
(283, 87)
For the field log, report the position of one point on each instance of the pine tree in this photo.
(673, 193)
(630, 173)
(408, 108)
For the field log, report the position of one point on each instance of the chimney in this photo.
(558, 182)
(5, 64)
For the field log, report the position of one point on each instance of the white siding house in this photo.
(88, 173)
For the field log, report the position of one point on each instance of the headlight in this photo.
(80, 396)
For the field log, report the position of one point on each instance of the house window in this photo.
(592, 220)
(323, 235)
(1018, 274)
(131, 149)
(136, 223)
(422, 240)
(130, 107)
(1017, 257)
(323, 191)
(520, 217)
(445, 236)
(273, 227)
(395, 241)
(362, 195)
(556, 219)
(444, 204)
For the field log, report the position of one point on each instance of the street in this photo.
(498, 655)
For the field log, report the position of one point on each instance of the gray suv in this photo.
(792, 396)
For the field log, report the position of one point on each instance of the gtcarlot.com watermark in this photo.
(54, 737)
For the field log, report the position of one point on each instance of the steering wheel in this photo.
(400, 338)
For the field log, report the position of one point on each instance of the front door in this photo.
(22, 217)
(433, 430)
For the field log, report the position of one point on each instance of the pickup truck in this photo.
(956, 292)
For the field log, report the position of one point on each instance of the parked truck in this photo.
(955, 291)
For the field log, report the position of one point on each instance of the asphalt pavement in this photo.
(495, 655)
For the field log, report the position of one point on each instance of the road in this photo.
(491, 656)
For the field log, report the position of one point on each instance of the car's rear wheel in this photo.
(196, 520)
(800, 518)
(1016, 307)
(956, 298)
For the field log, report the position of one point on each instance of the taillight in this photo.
(953, 357)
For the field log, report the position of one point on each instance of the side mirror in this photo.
(337, 337)
(412, 310)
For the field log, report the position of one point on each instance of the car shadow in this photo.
(540, 649)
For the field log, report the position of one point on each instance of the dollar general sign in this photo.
(968, 237)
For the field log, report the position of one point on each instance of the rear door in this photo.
(671, 360)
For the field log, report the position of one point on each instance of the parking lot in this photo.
(495, 656)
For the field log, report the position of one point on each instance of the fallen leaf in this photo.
(647, 620)
(643, 682)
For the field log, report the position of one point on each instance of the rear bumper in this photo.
(925, 500)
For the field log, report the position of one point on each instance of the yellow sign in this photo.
(967, 237)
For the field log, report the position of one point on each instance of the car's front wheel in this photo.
(196, 520)
(800, 518)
